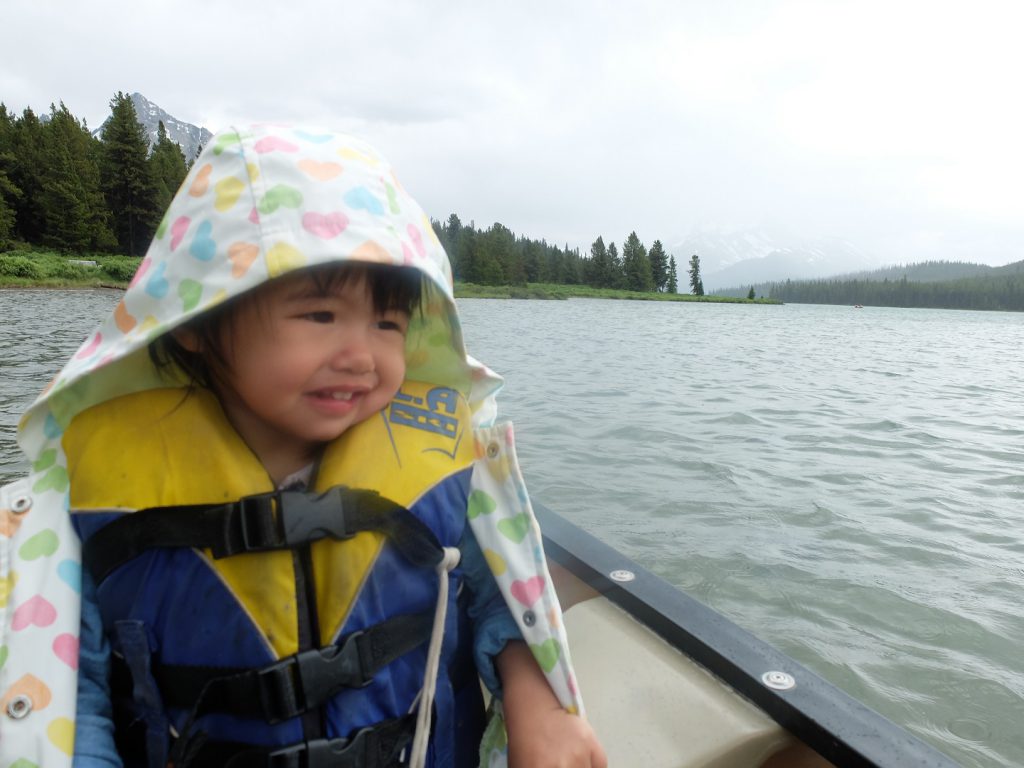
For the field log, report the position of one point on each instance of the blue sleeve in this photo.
(493, 625)
(94, 724)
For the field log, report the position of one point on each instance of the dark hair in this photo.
(391, 288)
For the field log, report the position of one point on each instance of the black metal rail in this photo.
(835, 725)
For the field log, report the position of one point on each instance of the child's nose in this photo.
(354, 353)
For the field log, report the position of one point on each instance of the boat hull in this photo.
(672, 683)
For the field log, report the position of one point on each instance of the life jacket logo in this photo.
(433, 413)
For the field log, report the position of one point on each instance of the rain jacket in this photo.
(260, 202)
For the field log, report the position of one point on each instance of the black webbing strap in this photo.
(296, 684)
(376, 746)
(259, 523)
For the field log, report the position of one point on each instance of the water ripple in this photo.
(847, 485)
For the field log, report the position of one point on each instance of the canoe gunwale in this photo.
(829, 721)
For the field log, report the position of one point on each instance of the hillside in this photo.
(917, 285)
(924, 272)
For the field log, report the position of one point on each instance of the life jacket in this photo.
(273, 627)
(261, 201)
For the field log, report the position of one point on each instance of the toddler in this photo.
(304, 539)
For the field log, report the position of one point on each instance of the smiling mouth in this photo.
(338, 395)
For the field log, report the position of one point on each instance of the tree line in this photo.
(497, 256)
(63, 188)
(922, 272)
(1002, 289)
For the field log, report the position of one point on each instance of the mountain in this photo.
(924, 272)
(719, 249)
(1015, 268)
(939, 284)
(742, 257)
(187, 136)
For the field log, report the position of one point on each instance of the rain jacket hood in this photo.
(259, 202)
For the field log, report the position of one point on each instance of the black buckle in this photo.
(300, 518)
(360, 751)
(256, 521)
(303, 681)
(308, 517)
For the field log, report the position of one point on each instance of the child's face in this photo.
(303, 367)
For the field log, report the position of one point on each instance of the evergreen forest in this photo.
(66, 193)
(933, 284)
(63, 189)
(497, 256)
(999, 291)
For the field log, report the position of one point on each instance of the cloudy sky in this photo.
(897, 125)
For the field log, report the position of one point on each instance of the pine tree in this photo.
(452, 244)
(62, 201)
(462, 265)
(27, 146)
(555, 261)
(442, 238)
(696, 284)
(600, 271)
(478, 261)
(532, 262)
(659, 265)
(7, 216)
(168, 166)
(636, 265)
(499, 265)
(127, 179)
(575, 267)
(618, 275)
(81, 179)
(751, 294)
(673, 280)
(10, 194)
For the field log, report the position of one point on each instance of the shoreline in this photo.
(62, 287)
(30, 269)
(531, 291)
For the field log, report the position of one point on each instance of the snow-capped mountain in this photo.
(743, 257)
(187, 136)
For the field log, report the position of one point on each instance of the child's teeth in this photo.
(341, 395)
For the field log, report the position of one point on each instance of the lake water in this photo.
(847, 484)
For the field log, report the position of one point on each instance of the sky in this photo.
(897, 126)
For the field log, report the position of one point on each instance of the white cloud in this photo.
(893, 124)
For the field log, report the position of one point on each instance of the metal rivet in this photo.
(493, 449)
(19, 707)
(779, 681)
(622, 575)
(529, 618)
(21, 505)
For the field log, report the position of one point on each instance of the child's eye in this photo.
(320, 317)
(391, 325)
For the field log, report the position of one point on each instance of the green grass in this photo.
(557, 291)
(37, 268)
(32, 268)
